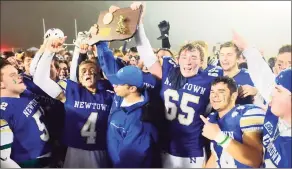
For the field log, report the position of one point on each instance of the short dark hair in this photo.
(133, 49)
(272, 62)
(137, 57)
(243, 65)
(231, 84)
(165, 49)
(8, 54)
(56, 62)
(29, 54)
(284, 49)
(231, 44)
(3, 63)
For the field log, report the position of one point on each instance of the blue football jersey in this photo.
(25, 118)
(243, 78)
(183, 108)
(240, 119)
(53, 108)
(86, 117)
(277, 145)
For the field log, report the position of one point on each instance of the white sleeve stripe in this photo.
(256, 111)
(252, 129)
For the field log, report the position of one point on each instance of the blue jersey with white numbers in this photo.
(240, 119)
(86, 117)
(277, 145)
(243, 78)
(53, 108)
(26, 119)
(183, 108)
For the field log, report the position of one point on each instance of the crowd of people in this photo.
(144, 107)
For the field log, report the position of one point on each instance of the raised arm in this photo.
(79, 51)
(259, 71)
(108, 63)
(42, 73)
(36, 59)
(74, 64)
(144, 47)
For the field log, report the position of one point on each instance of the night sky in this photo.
(266, 24)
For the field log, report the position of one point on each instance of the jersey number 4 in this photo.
(88, 129)
(171, 108)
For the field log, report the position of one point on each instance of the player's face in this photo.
(133, 61)
(220, 97)
(228, 58)
(11, 80)
(91, 56)
(27, 62)
(88, 75)
(63, 71)
(283, 61)
(281, 101)
(122, 90)
(189, 62)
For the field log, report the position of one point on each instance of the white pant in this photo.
(170, 161)
(77, 158)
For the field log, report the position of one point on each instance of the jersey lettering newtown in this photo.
(25, 117)
(86, 117)
(183, 108)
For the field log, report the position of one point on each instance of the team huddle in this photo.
(173, 112)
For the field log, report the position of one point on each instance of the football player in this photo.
(86, 110)
(235, 130)
(276, 91)
(185, 91)
(228, 57)
(25, 117)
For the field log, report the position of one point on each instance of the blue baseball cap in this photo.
(130, 75)
(284, 79)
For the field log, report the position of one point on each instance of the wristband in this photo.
(220, 137)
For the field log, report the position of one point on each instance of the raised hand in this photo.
(210, 130)
(84, 48)
(113, 9)
(55, 45)
(239, 41)
(136, 5)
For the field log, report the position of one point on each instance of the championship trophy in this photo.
(120, 25)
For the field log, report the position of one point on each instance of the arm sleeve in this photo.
(42, 76)
(260, 73)
(74, 65)
(34, 62)
(107, 61)
(134, 148)
(144, 47)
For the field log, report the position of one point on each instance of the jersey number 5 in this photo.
(88, 129)
(171, 108)
(45, 136)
